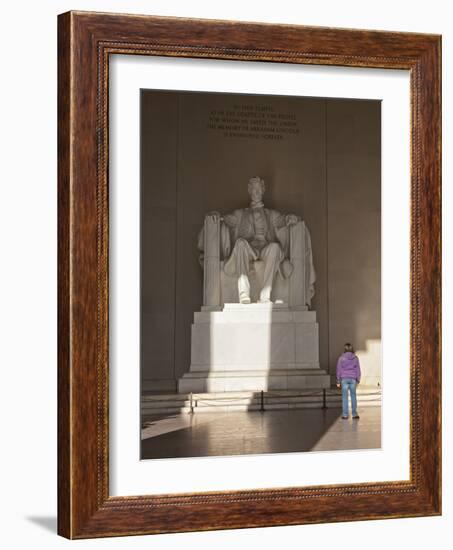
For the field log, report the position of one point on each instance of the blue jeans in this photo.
(349, 384)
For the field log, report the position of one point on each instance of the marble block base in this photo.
(254, 347)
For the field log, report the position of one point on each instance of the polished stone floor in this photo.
(254, 432)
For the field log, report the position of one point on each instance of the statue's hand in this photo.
(214, 216)
(292, 219)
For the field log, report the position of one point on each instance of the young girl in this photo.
(348, 376)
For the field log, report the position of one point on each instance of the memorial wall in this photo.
(320, 160)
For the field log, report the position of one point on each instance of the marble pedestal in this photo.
(254, 347)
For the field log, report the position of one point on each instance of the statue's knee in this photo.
(273, 248)
(240, 243)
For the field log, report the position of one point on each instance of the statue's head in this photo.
(256, 188)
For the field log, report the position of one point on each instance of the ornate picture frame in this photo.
(85, 507)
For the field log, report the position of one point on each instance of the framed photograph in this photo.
(249, 275)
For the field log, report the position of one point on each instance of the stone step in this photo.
(253, 380)
(330, 393)
(251, 373)
(256, 370)
(154, 396)
(246, 401)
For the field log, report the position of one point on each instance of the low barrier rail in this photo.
(195, 399)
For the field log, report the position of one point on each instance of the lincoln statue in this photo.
(256, 233)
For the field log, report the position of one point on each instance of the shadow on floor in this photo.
(48, 523)
(244, 433)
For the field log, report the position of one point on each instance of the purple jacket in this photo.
(348, 366)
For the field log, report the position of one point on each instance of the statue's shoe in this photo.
(244, 298)
(265, 301)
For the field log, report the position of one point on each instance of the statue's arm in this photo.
(228, 229)
(283, 220)
(278, 220)
(231, 219)
(292, 219)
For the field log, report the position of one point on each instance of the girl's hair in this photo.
(348, 347)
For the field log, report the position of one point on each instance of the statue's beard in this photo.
(257, 204)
